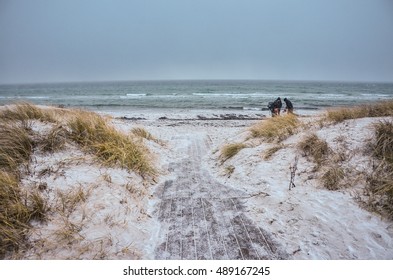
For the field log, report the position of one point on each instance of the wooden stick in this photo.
(293, 169)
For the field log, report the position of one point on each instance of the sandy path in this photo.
(202, 218)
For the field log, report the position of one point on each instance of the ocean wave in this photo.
(24, 97)
(332, 96)
(234, 95)
(135, 95)
(252, 108)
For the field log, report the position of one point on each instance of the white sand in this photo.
(117, 219)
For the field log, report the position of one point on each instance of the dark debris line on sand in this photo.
(204, 219)
(223, 117)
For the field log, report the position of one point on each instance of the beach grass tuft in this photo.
(113, 148)
(230, 150)
(69, 200)
(276, 129)
(380, 109)
(332, 177)
(379, 190)
(38, 206)
(314, 147)
(15, 146)
(55, 140)
(143, 133)
(24, 112)
(383, 141)
(268, 153)
(228, 171)
(14, 214)
(380, 180)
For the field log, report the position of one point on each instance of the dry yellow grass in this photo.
(383, 141)
(332, 177)
(314, 147)
(14, 214)
(380, 109)
(69, 200)
(17, 141)
(268, 153)
(276, 129)
(231, 150)
(379, 190)
(25, 111)
(318, 150)
(93, 133)
(380, 181)
(55, 140)
(143, 133)
(15, 146)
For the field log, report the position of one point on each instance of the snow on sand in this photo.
(116, 216)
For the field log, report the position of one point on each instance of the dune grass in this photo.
(17, 143)
(383, 141)
(89, 130)
(380, 109)
(315, 148)
(17, 210)
(92, 132)
(268, 153)
(276, 129)
(379, 190)
(380, 181)
(69, 200)
(14, 214)
(326, 161)
(25, 112)
(143, 133)
(332, 177)
(230, 150)
(55, 140)
(15, 146)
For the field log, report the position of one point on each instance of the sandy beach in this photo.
(199, 206)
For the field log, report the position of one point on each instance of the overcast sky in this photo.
(70, 40)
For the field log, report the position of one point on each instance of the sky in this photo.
(105, 40)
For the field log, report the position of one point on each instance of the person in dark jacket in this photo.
(289, 106)
(277, 104)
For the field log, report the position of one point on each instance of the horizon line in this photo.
(185, 80)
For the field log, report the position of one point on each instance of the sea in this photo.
(212, 95)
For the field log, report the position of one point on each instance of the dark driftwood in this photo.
(292, 169)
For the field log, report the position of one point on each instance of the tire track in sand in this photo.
(204, 219)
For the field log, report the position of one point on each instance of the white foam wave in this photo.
(233, 95)
(24, 97)
(133, 95)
